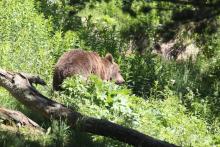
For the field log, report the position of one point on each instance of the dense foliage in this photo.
(176, 101)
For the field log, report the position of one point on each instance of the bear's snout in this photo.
(119, 80)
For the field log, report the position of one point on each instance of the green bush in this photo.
(140, 73)
(165, 119)
(107, 100)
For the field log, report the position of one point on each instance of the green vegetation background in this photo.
(34, 34)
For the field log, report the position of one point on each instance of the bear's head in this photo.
(114, 70)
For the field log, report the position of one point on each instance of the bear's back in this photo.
(77, 55)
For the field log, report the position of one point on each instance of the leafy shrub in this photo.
(107, 100)
(168, 119)
(165, 119)
(139, 73)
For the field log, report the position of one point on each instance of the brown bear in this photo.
(85, 63)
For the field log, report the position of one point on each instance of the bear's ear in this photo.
(109, 57)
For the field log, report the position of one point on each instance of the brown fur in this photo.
(85, 63)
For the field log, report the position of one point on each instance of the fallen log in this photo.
(20, 86)
(17, 118)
